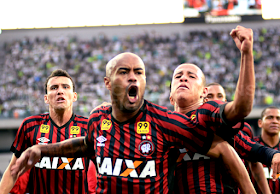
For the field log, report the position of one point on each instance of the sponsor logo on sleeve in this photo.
(44, 128)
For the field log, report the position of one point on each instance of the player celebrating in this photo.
(52, 174)
(270, 126)
(131, 140)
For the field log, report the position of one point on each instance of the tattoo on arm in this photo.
(74, 147)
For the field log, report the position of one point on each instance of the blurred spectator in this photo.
(25, 63)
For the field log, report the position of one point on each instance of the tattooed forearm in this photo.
(74, 147)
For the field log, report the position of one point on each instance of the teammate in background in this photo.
(217, 92)
(270, 126)
(55, 175)
(196, 173)
(132, 139)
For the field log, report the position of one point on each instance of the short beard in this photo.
(121, 106)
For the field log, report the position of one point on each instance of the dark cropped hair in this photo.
(58, 73)
(264, 110)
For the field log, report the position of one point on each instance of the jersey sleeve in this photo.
(251, 150)
(20, 143)
(243, 145)
(248, 130)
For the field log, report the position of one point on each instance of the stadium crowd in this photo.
(26, 63)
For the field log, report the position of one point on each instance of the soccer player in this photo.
(52, 174)
(270, 127)
(217, 92)
(132, 139)
(196, 173)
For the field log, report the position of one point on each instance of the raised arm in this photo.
(75, 147)
(245, 89)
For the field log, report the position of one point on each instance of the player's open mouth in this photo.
(60, 99)
(132, 94)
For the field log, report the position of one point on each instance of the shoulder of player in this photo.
(98, 113)
(212, 104)
(155, 108)
(81, 118)
(36, 119)
(248, 130)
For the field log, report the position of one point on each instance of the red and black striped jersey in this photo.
(274, 185)
(199, 174)
(135, 156)
(51, 175)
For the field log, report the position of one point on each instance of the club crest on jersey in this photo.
(43, 141)
(74, 130)
(143, 127)
(146, 148)
(101, 139)
(193, 117)
(44, 128)
(106, 124)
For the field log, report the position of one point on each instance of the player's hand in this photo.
(103, 104)
(243, 38)
(275, 166)
(26, 161)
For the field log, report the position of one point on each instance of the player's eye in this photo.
(178, 76)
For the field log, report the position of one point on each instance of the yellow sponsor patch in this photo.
(75, 130)
(143, 127)
(193, 117)
(106, 124)
(44, 128)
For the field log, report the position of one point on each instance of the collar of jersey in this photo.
(70, 120)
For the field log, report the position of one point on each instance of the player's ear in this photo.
(75, 97)
(171, 100)
(107, 82)
(204, 93)
(46, 99)
(260, 123)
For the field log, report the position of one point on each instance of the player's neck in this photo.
(271, 140)
(185, 108)
(122, 116)
(61, 117)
